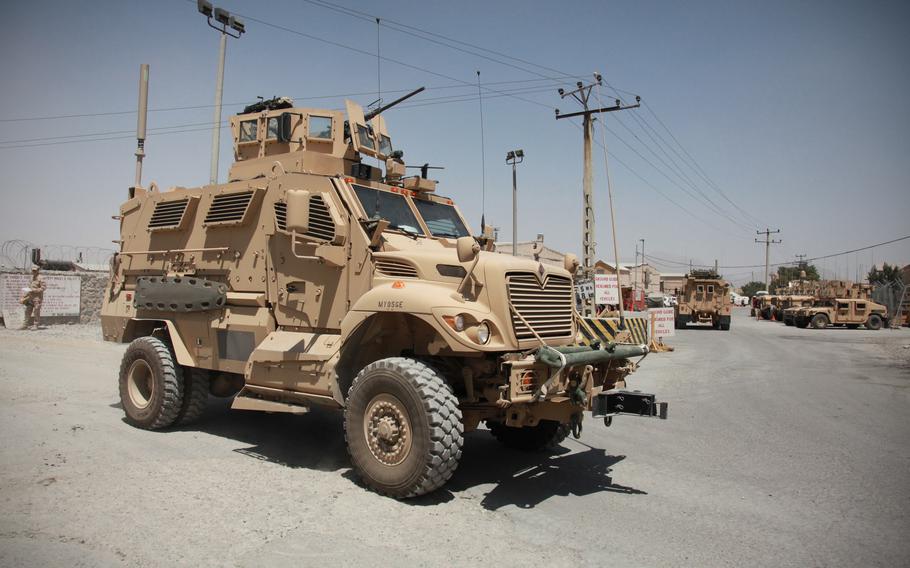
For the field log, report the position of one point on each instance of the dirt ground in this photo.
(783, 447)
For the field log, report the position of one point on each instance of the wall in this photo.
(91, 292)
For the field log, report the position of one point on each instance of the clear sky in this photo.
(796, 111)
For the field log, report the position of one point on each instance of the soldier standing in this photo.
(33, 300)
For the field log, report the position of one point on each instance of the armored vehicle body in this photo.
(705, 298)
(789, 305)
(312, 278)
(849, 312)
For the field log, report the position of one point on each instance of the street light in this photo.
(224, 20)
(514, 157)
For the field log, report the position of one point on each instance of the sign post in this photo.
(663, 324)
(606, 289)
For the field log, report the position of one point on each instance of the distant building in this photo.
(672, 283)
(525, 249)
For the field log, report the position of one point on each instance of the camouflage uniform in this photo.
(33, 300)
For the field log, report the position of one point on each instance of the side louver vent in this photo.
(321, 225)
(395, 268)
(229, 208)
(281, 215)
(168, 215)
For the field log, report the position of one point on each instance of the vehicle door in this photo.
(860, 312)
(842, 314)
(309, 283)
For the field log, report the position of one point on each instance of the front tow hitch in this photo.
(615, 402)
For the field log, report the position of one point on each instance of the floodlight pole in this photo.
(513, 158)
(224, 19)
(582, 94)
(216, 120)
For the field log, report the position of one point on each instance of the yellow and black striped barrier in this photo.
(604, 330)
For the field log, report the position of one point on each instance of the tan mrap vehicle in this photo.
(312, 279)
(849, 312)
(705, 298)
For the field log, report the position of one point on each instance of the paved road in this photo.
(784, 447)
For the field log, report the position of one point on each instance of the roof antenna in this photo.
(378, 66)
(140, 121)
(483, 166)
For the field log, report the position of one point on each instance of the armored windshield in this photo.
(389, 206)
(441, 219)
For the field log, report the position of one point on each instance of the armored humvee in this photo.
(315, 279)
(705, 298)
(788, 307)
(849, 312)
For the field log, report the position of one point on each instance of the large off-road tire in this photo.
(874, 322)
(195, 395)
(546, 435)
(820, 321)
(403, 427)
(151, 384)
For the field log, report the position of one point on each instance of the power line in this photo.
(805, 260)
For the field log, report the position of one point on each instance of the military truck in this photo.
(849, 312)
(315, 279)
(705, 298)
(788, 307)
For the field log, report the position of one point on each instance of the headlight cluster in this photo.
(477, 331)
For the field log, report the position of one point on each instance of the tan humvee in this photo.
(312, 278)
(705, 298)
(788, 306)
(850, 312)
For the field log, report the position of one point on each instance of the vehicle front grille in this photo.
(395, 268)
(546, 307)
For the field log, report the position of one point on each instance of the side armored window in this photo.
(320, 127)
(248, 130)
(272, 128)
(710, 288)
(700, 289)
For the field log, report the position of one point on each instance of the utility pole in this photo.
(513, 158)
(767, 242)
(582, 94)
(644, 272)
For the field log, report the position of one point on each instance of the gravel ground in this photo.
(784, 447)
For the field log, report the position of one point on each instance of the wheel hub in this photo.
(387, 429)
(140, 383)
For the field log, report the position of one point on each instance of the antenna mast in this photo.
(140, 121)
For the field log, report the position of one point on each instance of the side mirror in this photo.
(467, 248)
(571, 263)
(298, 215)
(285, 127)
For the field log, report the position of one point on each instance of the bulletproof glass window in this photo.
(385, 145)
(272, 128)
(710, 288)
(392, 207)
(860, 307)
(320, 127)
(364, 138)
(700, 289)
(441, 219)
(248, 130)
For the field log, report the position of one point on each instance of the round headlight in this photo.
(459, 322)
(483, 333)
